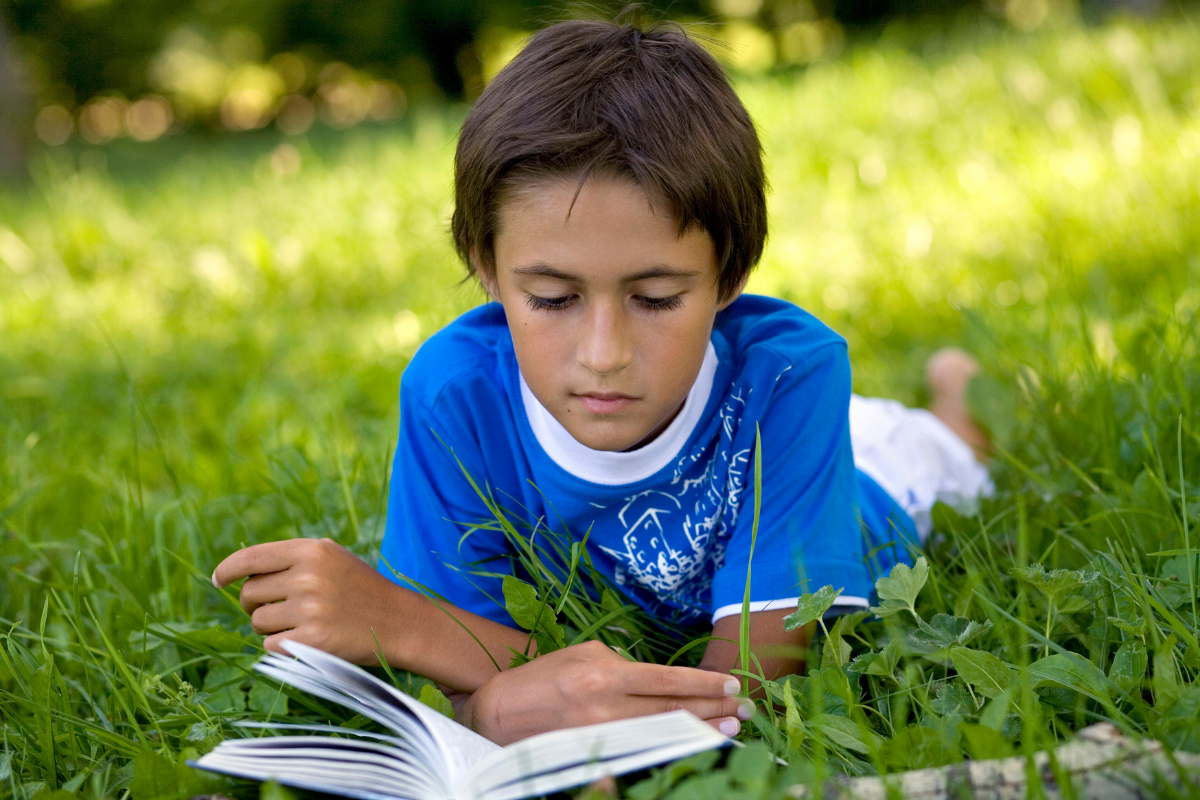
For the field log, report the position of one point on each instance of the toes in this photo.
(949, 370)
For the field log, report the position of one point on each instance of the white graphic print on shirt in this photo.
(674, 560)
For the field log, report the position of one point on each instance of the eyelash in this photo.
(560, 303)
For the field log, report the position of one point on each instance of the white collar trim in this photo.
(611, 468)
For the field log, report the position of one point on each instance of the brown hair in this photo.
(587, 98)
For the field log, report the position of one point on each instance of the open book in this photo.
(431, 757)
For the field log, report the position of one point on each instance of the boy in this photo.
(610, 198)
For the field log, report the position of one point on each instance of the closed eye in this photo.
(549, 303)
(659, 303)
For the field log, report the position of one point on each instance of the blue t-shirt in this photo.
(671, 522)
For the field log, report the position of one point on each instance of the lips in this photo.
(605, 402)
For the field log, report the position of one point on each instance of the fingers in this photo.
(655, 679)
(273, 618)
(703, 707)
(255, 560)
(258, 590)
(272, 643)
(730, 726)
(274, 557)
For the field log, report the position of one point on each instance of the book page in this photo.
(560, 759)
(554, 782)
(459, 749)
(341, 766)
(338, 690)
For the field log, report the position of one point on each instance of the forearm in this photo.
(779, 652)
(316, 592)
(446, 644)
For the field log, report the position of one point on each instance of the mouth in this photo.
(605, 402)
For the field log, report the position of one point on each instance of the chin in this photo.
(611, 440)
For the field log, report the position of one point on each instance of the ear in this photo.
(487, 277)
(735, 294)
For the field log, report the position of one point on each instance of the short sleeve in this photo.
(432, 506)
(808, 534)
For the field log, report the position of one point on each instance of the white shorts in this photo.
(916, 459)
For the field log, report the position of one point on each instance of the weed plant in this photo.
(200, 344)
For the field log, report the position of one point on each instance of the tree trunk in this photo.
(1100, 764)
(16, 111)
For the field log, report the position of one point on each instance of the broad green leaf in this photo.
(202, 732)
(899, 590)
(996, 711)
(836, 652)
(222, 683)
(270, 790)
(1176, 584)
(918, 747)
(1191, 657)
(714, 785)
(153, 778)
(835, 683)
(433, 697)
(811, 607)
(953, 698)
(1165, 680)
(72, 785)
(989, 675)
(983, 742)
(156, 777)
(1071, 671)
(946, 631)
(752, 767)
(1135, 627)
(268, 698)
(1176, 569)
(846, 623)
(1055, 583)
(54, 794)
(861, 662)
(663, 779)
(885, 663)
(1128, 666)
(845, 733)
(521, 602)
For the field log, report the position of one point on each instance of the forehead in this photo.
(606, 222)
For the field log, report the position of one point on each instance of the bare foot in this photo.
(947, 374)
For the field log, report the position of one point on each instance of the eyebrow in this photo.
(657, 271)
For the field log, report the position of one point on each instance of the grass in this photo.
(202, 341)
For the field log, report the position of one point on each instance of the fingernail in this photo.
(732, 686)
(214, 580)
(730, 727)
(745, 709)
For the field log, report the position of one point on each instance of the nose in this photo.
(606, 345)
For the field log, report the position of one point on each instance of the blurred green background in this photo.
(228, 234)
(99, 70)
(1033, 196)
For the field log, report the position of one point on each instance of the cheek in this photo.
(677, 350)
(542, 344)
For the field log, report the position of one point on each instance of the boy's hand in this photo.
(588, 683)
(316, 592)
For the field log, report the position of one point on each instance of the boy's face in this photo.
(610, 309)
